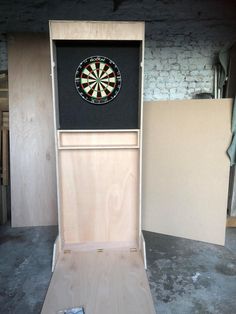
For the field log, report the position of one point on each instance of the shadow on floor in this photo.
(191, 277)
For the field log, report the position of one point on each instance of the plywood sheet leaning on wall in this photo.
(32, 152)
(186, 169)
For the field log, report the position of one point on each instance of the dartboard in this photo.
(98, 80)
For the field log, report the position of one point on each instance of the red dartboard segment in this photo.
(98, 80)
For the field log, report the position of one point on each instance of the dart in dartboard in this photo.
(98, 80)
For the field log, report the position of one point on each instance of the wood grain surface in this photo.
(99, 195)
(186, 168)
(32, 152)
(96, 30)
(95, 139)
(109, 282)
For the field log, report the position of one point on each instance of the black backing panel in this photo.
(75, 112)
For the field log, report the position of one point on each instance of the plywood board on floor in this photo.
(186, 168)
(231, 222)
(102, 282)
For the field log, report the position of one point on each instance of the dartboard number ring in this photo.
(98, 80)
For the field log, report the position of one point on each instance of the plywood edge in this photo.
(208, 240)
(97, 147)
(56, 253)
(98, 131)
(98, 140)
(101, 246)
(141, 138)
(231, 222)
(54, 104)
(143, 250)
(4, 104)
(187, 101)
(99, 30)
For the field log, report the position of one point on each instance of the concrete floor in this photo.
(185, 276)
(191, 277)
(25, 268)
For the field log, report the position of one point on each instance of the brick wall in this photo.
(183, 37)
(176, 67)
(3, 53)
(179, 68)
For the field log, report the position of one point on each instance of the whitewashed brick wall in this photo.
(175, 68)
(179, 68)
(3, 53)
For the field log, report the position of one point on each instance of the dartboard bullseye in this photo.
(98, 80)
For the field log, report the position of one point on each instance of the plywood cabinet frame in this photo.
(81, 157)
(95, 30)
(91, 135)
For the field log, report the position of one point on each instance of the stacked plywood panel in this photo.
(4, 148)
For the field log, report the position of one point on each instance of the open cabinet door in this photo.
(101, 282)
(97, 90)
(186, 168)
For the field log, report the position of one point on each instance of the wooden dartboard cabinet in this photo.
(97, 81)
